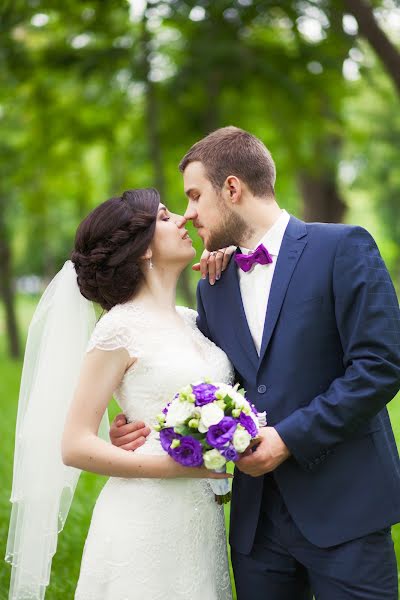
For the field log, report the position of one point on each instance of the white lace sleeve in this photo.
(189, 315)
(113, 331)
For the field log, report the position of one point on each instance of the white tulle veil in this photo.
(43, 487)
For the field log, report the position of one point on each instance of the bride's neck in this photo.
(159, 290)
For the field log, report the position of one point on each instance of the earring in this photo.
(150, 263)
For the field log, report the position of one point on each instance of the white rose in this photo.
(213, 459)
(241, 439)
(178, 412)
(211, 414)
(239, 400)
(223, 390)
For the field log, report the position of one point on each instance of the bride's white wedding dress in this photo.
(155, 539)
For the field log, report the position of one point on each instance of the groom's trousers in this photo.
(283, 565)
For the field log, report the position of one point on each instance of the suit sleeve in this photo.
(201, 318)
(368, 321)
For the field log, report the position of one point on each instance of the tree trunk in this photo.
(321, 198)
(6, 289)
(371, 31)
(211, 114)
(152, 128)
(154, 142)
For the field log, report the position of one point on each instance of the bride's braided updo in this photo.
(109, 246)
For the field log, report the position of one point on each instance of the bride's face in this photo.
(171, 242)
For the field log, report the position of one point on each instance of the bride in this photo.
(156, 531)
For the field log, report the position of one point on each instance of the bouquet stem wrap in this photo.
(221, 488)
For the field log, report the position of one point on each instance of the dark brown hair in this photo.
(233, 151)
(109, 244)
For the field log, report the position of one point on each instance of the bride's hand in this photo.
(128, 436)
(213, 263)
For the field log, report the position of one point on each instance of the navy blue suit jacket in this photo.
(329, 363)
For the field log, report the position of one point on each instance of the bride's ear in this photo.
(147, 255)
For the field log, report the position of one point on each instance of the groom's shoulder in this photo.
(333, 233)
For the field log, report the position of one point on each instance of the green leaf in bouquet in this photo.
(183, 430)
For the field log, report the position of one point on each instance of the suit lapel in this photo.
(293, 243)
(239, 321)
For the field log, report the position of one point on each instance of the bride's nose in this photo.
(179, 220)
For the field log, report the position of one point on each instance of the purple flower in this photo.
(253, 409)
(189, 453)
(222, 433)
(229, 452)
(204, 393)
(166, 436)
(248, 424)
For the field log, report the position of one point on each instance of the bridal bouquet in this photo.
(209, 424)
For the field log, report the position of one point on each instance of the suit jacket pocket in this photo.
(302, 306)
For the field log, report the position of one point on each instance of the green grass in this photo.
(66, 562)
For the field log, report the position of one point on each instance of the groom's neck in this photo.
(260, 215)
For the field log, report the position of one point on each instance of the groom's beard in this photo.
(230, 232)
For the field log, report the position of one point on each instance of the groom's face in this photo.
(217, 225)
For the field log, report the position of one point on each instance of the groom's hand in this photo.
(268, 455)
(213, 263)
(128, 436)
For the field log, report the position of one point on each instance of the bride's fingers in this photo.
(219, 263)
(212, 267)
(196, 267)
(227, 256)
(204, 263)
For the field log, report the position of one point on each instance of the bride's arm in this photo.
(101, 373)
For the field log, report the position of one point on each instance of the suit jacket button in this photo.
(262, 389)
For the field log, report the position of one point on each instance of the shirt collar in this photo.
(272, 239)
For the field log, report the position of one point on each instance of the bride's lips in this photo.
(186, 237)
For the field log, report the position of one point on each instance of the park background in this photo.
(98, 96)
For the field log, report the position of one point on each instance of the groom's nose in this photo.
(191, 213)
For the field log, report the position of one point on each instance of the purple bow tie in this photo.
(247, 261)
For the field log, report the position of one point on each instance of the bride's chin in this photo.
(189, 256)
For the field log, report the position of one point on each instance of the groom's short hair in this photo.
(233, 151)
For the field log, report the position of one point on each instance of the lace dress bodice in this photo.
(167, 357)
(156, 539)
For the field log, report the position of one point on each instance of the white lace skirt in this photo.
(153, 539)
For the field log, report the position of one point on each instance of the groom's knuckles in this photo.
(129, 438)
(135, 444)
(129, 428)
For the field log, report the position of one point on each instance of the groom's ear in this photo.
(233, 188)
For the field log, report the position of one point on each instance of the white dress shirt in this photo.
(255, 285)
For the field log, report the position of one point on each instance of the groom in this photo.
(308, 315)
